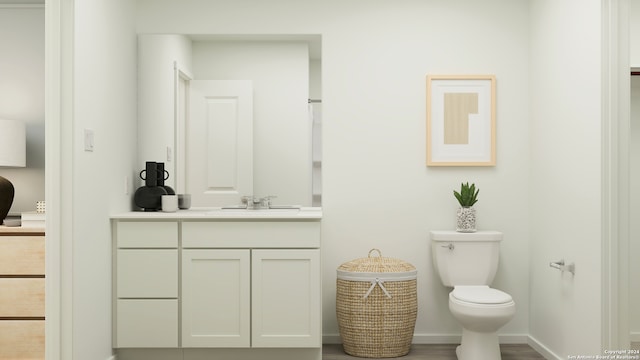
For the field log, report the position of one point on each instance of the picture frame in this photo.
(461, 120)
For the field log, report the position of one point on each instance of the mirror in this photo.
(284, 141)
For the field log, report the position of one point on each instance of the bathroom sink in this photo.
(245, 212)
(273, 208)
(274, 211)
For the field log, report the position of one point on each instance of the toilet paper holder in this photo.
(560, 265)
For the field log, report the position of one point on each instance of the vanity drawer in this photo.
(21, 255)
(148, 323)
(22, 339)
(147, 234)
(147, 273)
(253, 234)
(21, 297)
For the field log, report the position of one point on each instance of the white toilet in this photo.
(468, 263)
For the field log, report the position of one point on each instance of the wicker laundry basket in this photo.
(376, 306)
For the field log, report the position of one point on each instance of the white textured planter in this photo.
(466, 219)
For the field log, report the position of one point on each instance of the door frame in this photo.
(59, 19)
(615, 174)
(181, 112)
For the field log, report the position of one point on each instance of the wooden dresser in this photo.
(21, 293)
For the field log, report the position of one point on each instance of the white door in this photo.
(286, 306)
(219, 146)
(216, 298)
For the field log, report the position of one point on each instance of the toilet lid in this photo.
(481, 295)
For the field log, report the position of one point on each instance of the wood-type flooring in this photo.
(437, 352)
(444, 352)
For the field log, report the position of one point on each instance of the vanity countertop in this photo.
(304, 213)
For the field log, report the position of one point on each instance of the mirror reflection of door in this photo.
(219, 153)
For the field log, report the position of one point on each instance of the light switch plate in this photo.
(88, 140)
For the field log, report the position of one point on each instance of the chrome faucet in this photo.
(254, 203)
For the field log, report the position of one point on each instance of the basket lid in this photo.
(377, 264)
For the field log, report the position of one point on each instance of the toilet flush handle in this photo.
(450, 246)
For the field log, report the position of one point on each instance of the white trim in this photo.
(52, 176)
(615, 179)
(441, 339)
(180, 125)
(59, 16)
(542, 350)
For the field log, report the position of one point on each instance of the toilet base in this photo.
(478, 346)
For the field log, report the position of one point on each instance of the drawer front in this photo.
(147, 234)
(22, 339)
(253, 234)
(21, 297)
(145, 273)
(146, 323)
(21, 255)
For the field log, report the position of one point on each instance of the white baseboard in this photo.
(438, 339)
(331, 339)
(634, 336)
(113, 357)
(543, 350)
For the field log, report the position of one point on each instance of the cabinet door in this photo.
(21, 297)
(146, 323)
(22, 339)
(22, 255)
(147, 273)
(286, 306)
(216, 298)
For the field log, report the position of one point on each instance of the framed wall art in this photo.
(461, 120)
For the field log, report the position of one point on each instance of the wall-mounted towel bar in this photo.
(560, 265)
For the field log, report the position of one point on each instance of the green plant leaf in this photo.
(468, 194)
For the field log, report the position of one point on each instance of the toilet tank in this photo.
(465, 258)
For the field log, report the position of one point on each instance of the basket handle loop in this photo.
(372, 250)
(380, 283)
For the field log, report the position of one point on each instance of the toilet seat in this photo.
(480, 295)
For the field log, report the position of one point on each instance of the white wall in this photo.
(565, 169)
(22, 96)
(377, 191)
(104, 100)
(279, 72)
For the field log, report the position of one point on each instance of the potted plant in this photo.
(467, 197)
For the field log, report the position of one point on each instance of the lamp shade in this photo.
(13, 144)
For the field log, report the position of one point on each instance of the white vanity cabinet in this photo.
(202, 287)
(285, 289)
(145, 284)
(244, 285)
(216, 304)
